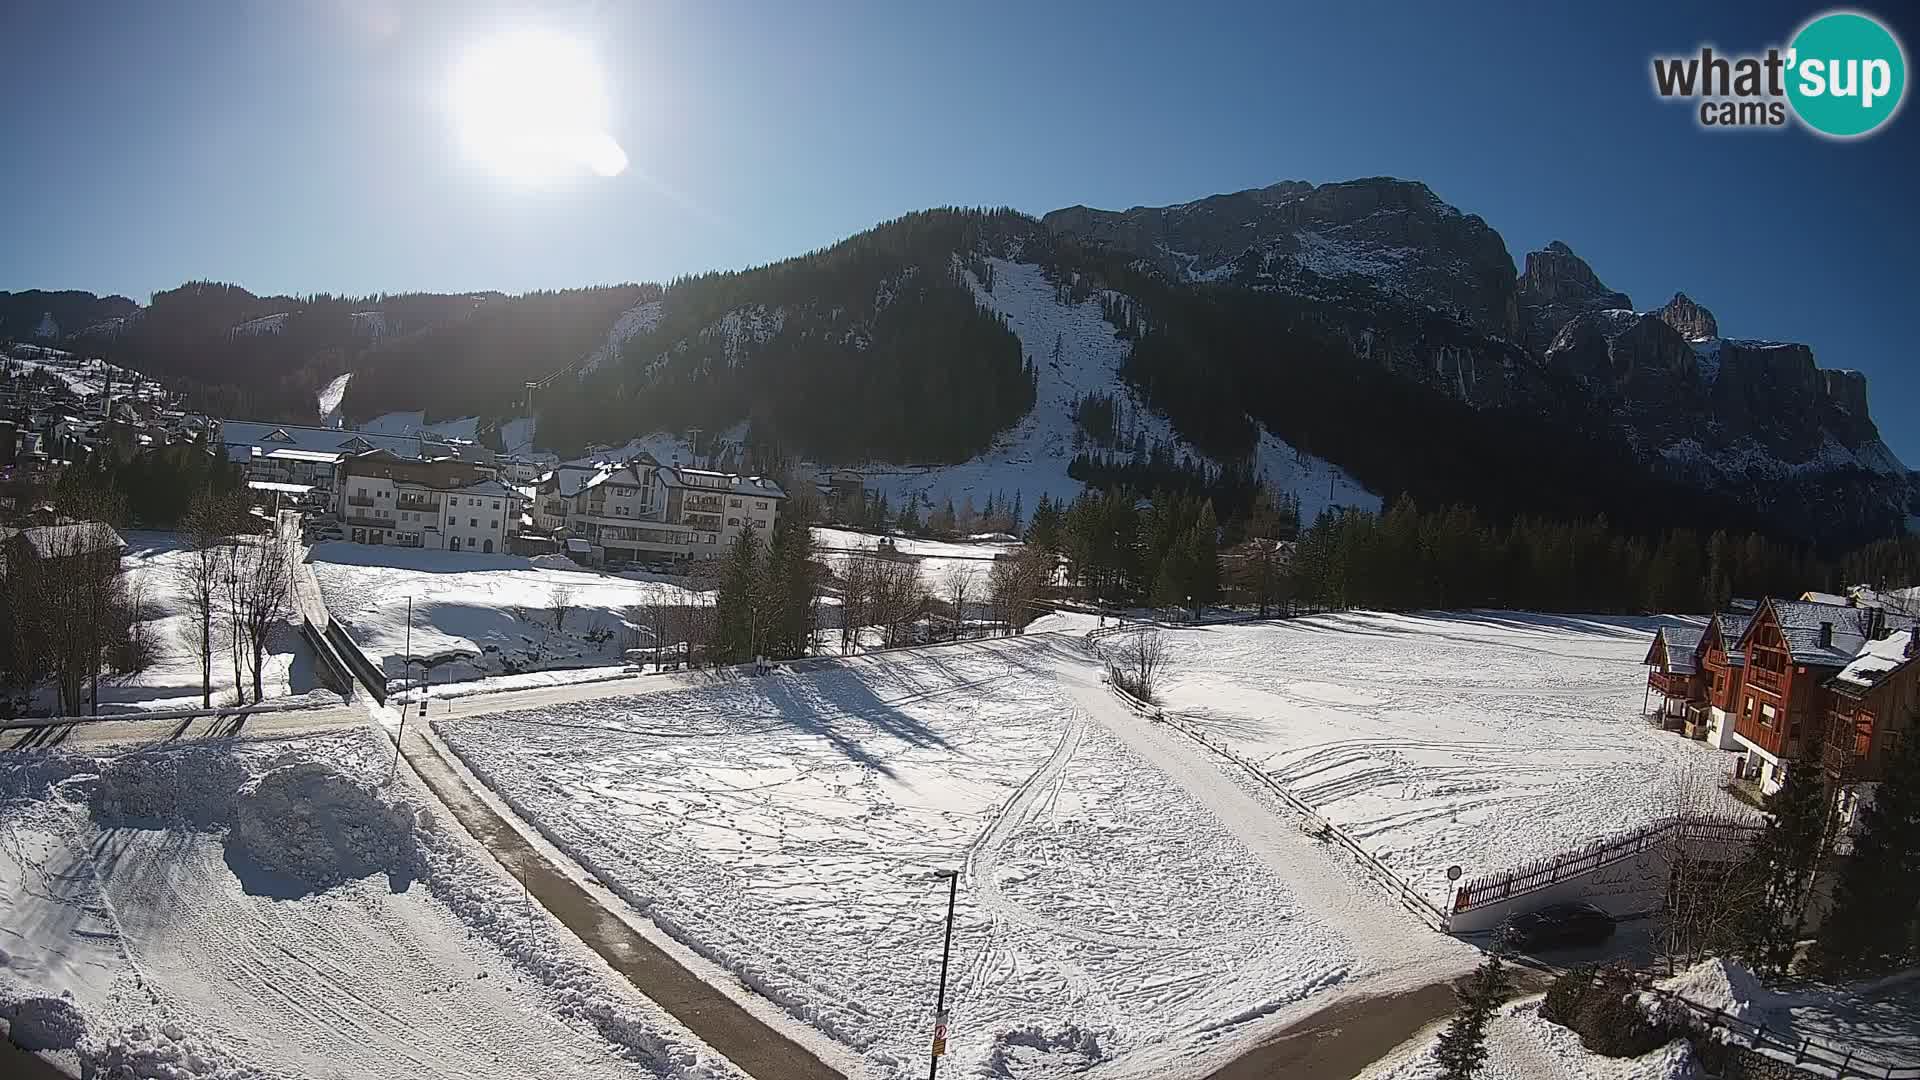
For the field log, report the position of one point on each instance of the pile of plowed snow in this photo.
(313, 822)
(1720, 984)
(194, 789)
(44, 1023)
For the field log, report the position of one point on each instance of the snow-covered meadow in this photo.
(275, 910)
(793, 827)
(1484, 739)
(494, 609)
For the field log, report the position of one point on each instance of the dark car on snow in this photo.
(1559, 926)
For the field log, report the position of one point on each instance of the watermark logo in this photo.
(1843, 75)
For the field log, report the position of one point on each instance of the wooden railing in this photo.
(1841, 1062)
(1542, 873)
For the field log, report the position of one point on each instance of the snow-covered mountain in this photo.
(1428, 292)
(1314, 332)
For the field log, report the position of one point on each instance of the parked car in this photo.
(1559, 926)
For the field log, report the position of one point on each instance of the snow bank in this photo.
(318, 824)
(1721, 984)
(160, 786)
(1030, 1049)
(163, 1051)
(44, 1023)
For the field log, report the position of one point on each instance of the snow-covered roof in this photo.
(1815, 597)
(1682, 642)
(1801, 624)
(60, 541)
(1675, 645)
(708, 480)
(487, 489)
(1877, 660)
(1733, 627)
(243, 437)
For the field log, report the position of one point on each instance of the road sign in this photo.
(940, 1035)
(1453, 872)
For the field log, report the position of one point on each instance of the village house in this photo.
(1763, 678)
(311, 456)
(1874, 709)
(443, 503)
(643, 511)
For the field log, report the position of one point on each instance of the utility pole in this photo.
(946, 952)
(531, 387)
(403, 702)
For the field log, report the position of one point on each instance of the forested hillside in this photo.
(872, 349)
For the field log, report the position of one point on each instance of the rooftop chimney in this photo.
(1826, 635)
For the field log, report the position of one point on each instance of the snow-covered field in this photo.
(1114, 903)
(172, 680)
(936, 559)
(1482, 738)
(280, 910)
(495, 609)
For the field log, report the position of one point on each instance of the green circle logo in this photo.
(1846, 74)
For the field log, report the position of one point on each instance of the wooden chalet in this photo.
(1724, 666)
(1793, 649)
(1674, 673)
(1874, 708)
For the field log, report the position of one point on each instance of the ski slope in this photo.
(1032, 457)
(1481, 738)
(329, 398)
(266, 911)
(1120, 901)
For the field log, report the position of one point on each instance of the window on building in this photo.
(496, 504)
(734, 521)
(451, 522)
(760, 504)
(473, 523)
(494, 524)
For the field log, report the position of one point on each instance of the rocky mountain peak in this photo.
(1554, 274)
(1556, 288)
(1694, 322)
(1380, 234)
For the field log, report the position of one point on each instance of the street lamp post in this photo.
(946, 952)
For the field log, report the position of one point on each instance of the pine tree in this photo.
(735, 607)
(1875, 922)
(1202, 556)
(1463, 1046)
(1043, 532)
(1017, 515)
(1784, 861)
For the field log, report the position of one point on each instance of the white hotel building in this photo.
(645, 511)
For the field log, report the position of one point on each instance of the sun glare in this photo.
(532, 106)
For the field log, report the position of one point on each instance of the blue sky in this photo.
(309, 147)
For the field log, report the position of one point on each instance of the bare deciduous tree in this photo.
(1015, 586)
(207, 531)
(1137, 662)
(258, 578)
(899, 599)
(1709, 880)
(559, 602)
(957, 585)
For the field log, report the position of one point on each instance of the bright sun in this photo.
(532, 106)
